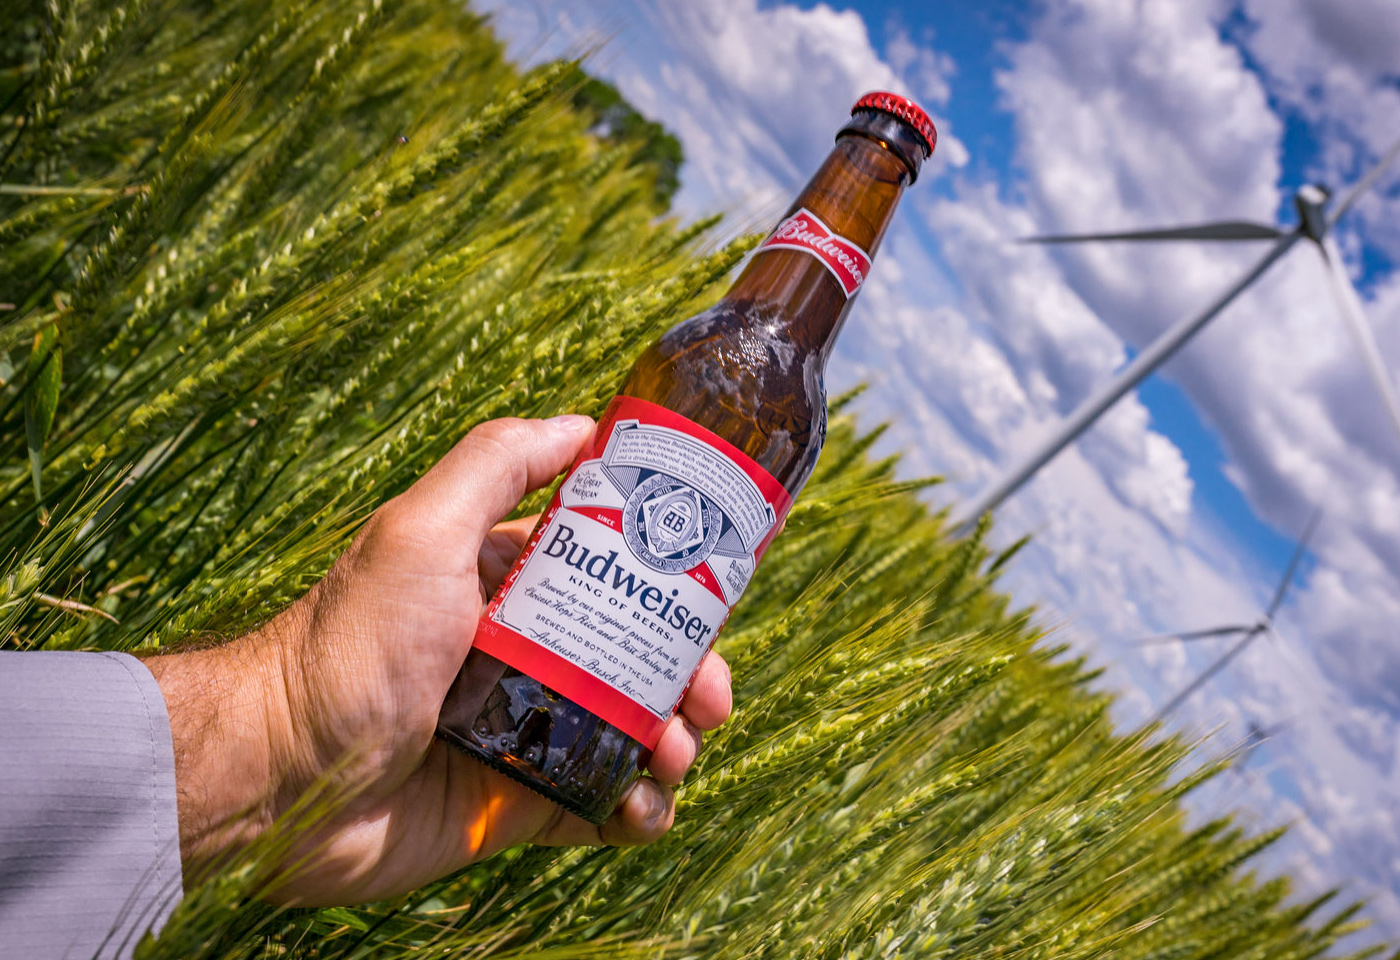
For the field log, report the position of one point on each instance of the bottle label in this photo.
(804, 231)
(632, 571)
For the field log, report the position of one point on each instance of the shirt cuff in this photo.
(89, 840)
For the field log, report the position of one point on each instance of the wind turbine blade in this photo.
(1290, 571)
(1228, 230)
(1194, 634)
(1210, 671)
(1155, 354)
(1350, 305)
(1364, 184)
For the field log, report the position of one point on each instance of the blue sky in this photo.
(970, 33)
(1179, 510)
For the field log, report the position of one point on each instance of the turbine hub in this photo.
(1311, 201)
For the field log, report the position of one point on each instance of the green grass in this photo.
(244, 311)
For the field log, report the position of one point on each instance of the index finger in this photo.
(500, 549)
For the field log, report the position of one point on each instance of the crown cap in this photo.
(903, 108)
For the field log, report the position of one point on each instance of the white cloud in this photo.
(929, 71)
(1333, 63)
(755, 94)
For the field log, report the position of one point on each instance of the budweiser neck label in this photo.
(632, 571)
(804, 231)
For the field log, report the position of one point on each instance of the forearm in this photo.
(228, 718)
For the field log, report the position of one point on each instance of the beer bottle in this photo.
(584, 652)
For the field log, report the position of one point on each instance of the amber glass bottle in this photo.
(585, 651)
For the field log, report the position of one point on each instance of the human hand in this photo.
(347, 682)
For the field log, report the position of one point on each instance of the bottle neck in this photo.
(854, 195)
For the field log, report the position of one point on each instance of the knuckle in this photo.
(502, 445)
(390, 527)
(388, 521)
(505, 433)
(723, 666)
(697, 737)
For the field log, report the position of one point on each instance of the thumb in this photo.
(485, 476)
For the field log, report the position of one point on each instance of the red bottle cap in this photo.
(903, 108)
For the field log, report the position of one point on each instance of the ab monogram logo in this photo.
(670, 526)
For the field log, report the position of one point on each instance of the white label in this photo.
(646, 547)
(584, 596)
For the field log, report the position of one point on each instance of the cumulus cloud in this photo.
(1333, 64)
(754, 92)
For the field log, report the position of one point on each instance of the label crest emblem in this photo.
(669, 525)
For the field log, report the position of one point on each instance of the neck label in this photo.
(804, 231)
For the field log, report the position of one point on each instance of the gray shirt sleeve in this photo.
(89, 843)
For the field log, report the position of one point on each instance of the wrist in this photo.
(229, 720)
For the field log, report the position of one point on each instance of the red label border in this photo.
(586, 690)
(554, 671)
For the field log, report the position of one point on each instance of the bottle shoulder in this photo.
(736, 372)
(738, 336)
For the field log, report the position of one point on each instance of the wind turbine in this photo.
(1247, 632)
(1314, 224)
(1254, 739)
